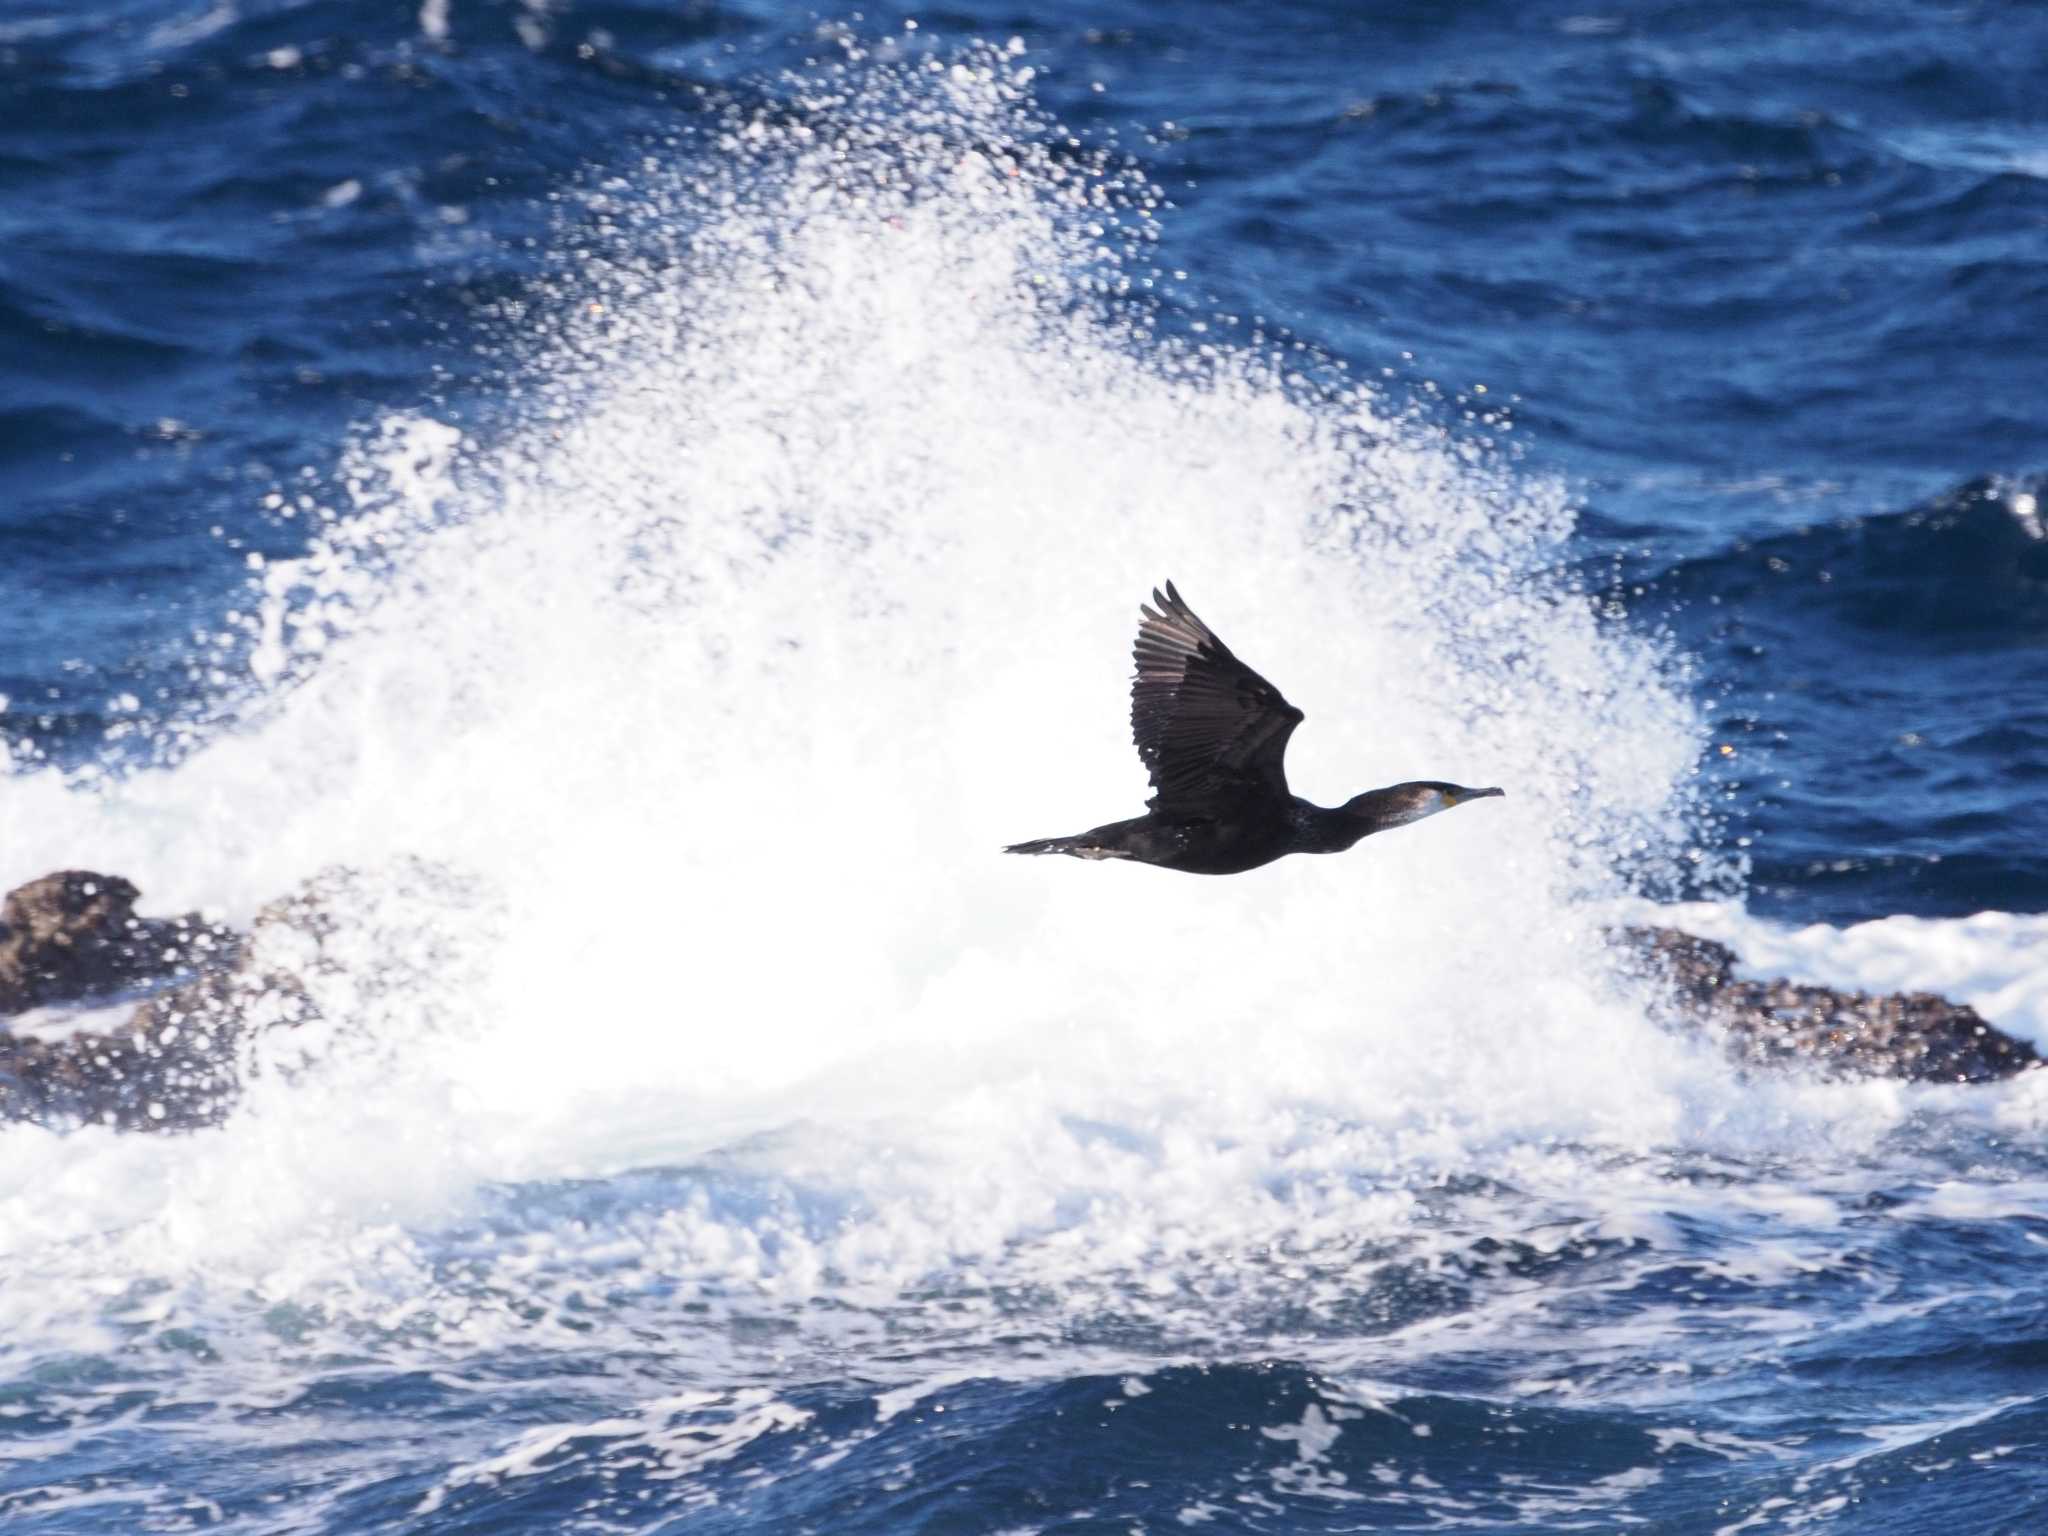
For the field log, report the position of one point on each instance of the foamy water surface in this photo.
(737, 1111)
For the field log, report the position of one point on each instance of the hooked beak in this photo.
(1480, 794)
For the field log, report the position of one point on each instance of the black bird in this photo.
(1212, 734)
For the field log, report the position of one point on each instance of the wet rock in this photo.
(201, 998)
(138, 1077)
(75, 935)
(1915, 1036)
(73, 940)
(268, 986)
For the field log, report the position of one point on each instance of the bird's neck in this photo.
(1330, 829)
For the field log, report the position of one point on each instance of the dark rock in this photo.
(140, 1077)
(1697, 968)
(1916, 1036)
(74, 935)
(74, 939)
(182, 1058)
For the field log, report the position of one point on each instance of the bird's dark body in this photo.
(1211, 845)
(1213, 734)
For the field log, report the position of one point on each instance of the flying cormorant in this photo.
(1212, 734)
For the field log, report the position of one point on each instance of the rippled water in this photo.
(663, 491)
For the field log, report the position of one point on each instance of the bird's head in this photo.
(1399, 804)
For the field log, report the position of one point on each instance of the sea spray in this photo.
(796, 576)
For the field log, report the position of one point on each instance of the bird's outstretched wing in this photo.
(1209, 728)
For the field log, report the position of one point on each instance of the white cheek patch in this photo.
(1428, 805)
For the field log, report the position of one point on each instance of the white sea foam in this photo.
(802, 581)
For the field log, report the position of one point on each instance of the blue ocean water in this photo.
(690, 468)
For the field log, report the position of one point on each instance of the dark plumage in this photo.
(1213, 736)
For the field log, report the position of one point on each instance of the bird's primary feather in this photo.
(1209, 729)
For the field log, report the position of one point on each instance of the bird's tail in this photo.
(1084, 846)
(1047, 845)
